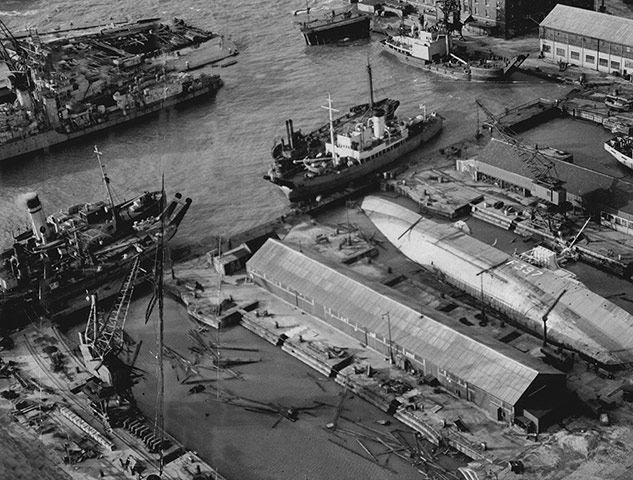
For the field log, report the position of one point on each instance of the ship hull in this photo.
(301, 189)
(456, 71)
(50, 138)
(576, 317)
(336, 31)
(621, 157)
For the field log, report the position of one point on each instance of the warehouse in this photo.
(588, 39)
(498, 378)
(585, 189)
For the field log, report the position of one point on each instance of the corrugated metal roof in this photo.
(591, 24)
(578, 180)
(490, 365)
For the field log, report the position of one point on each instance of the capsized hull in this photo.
(580, 319)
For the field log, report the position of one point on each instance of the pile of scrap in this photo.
(409, 446)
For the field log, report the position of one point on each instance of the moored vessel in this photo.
(349, 150)
(558, 307)
(338, 26)
(621, 147)
(82, 82)
(89, 246)
(432, 50)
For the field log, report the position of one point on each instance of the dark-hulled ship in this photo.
(336, 27)
(86, 247)
(347, 150)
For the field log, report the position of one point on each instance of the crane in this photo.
(546, 314)
(542, 169)
(104, 333)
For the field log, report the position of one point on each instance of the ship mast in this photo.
(106, 180)
(330, 109)
(371, 86)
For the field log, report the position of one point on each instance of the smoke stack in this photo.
(38, 220)
(379, 122)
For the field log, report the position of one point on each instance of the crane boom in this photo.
(542, 169)
(104, 333)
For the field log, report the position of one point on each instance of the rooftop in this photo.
(484, 362)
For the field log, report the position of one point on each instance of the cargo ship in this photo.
(557, 307)
(432, 50)
(355, 147)
(336, 27)
(71, 85)
(86, 247)
(621, 147)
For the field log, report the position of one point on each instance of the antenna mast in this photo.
(330, 109)
(371, 86)
(104, 175)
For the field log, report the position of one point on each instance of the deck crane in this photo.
(104, 333)
(542, 169)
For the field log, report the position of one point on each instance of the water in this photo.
(217, 150)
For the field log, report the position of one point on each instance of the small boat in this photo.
(432, 50)
(351, 150)
(621, 147)
(336, 27)
(88, 246)
(618, 102)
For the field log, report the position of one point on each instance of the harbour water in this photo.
(216, 152)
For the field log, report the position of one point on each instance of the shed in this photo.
(495, 376)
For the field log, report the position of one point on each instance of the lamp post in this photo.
(389, 330)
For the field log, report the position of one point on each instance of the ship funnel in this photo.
(38, 220)
(378, 120)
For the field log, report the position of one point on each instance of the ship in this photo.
(557, 307)
(621, 147)
(335, 27)
(432, 50)
(357, 146)
(71, 84)
(86, 247)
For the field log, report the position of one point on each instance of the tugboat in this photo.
(49, 267)
(621, 147)
(357, 146)
(432, 49)
(348, 25)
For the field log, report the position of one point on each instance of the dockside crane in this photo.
(542, 169)
(104, 333)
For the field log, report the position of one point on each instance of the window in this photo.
(476, 10)
(561, 52)
(615, 65)
(590, 59)
(603, 62)
(574, 55)
(486, 13)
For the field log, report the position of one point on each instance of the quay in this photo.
(327, 350)
(51, 402)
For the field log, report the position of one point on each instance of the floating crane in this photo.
(104, 333)
(543, 170)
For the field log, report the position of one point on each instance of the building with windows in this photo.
(499, 17)
(605, 197)
(499, 378)
(588, 39)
